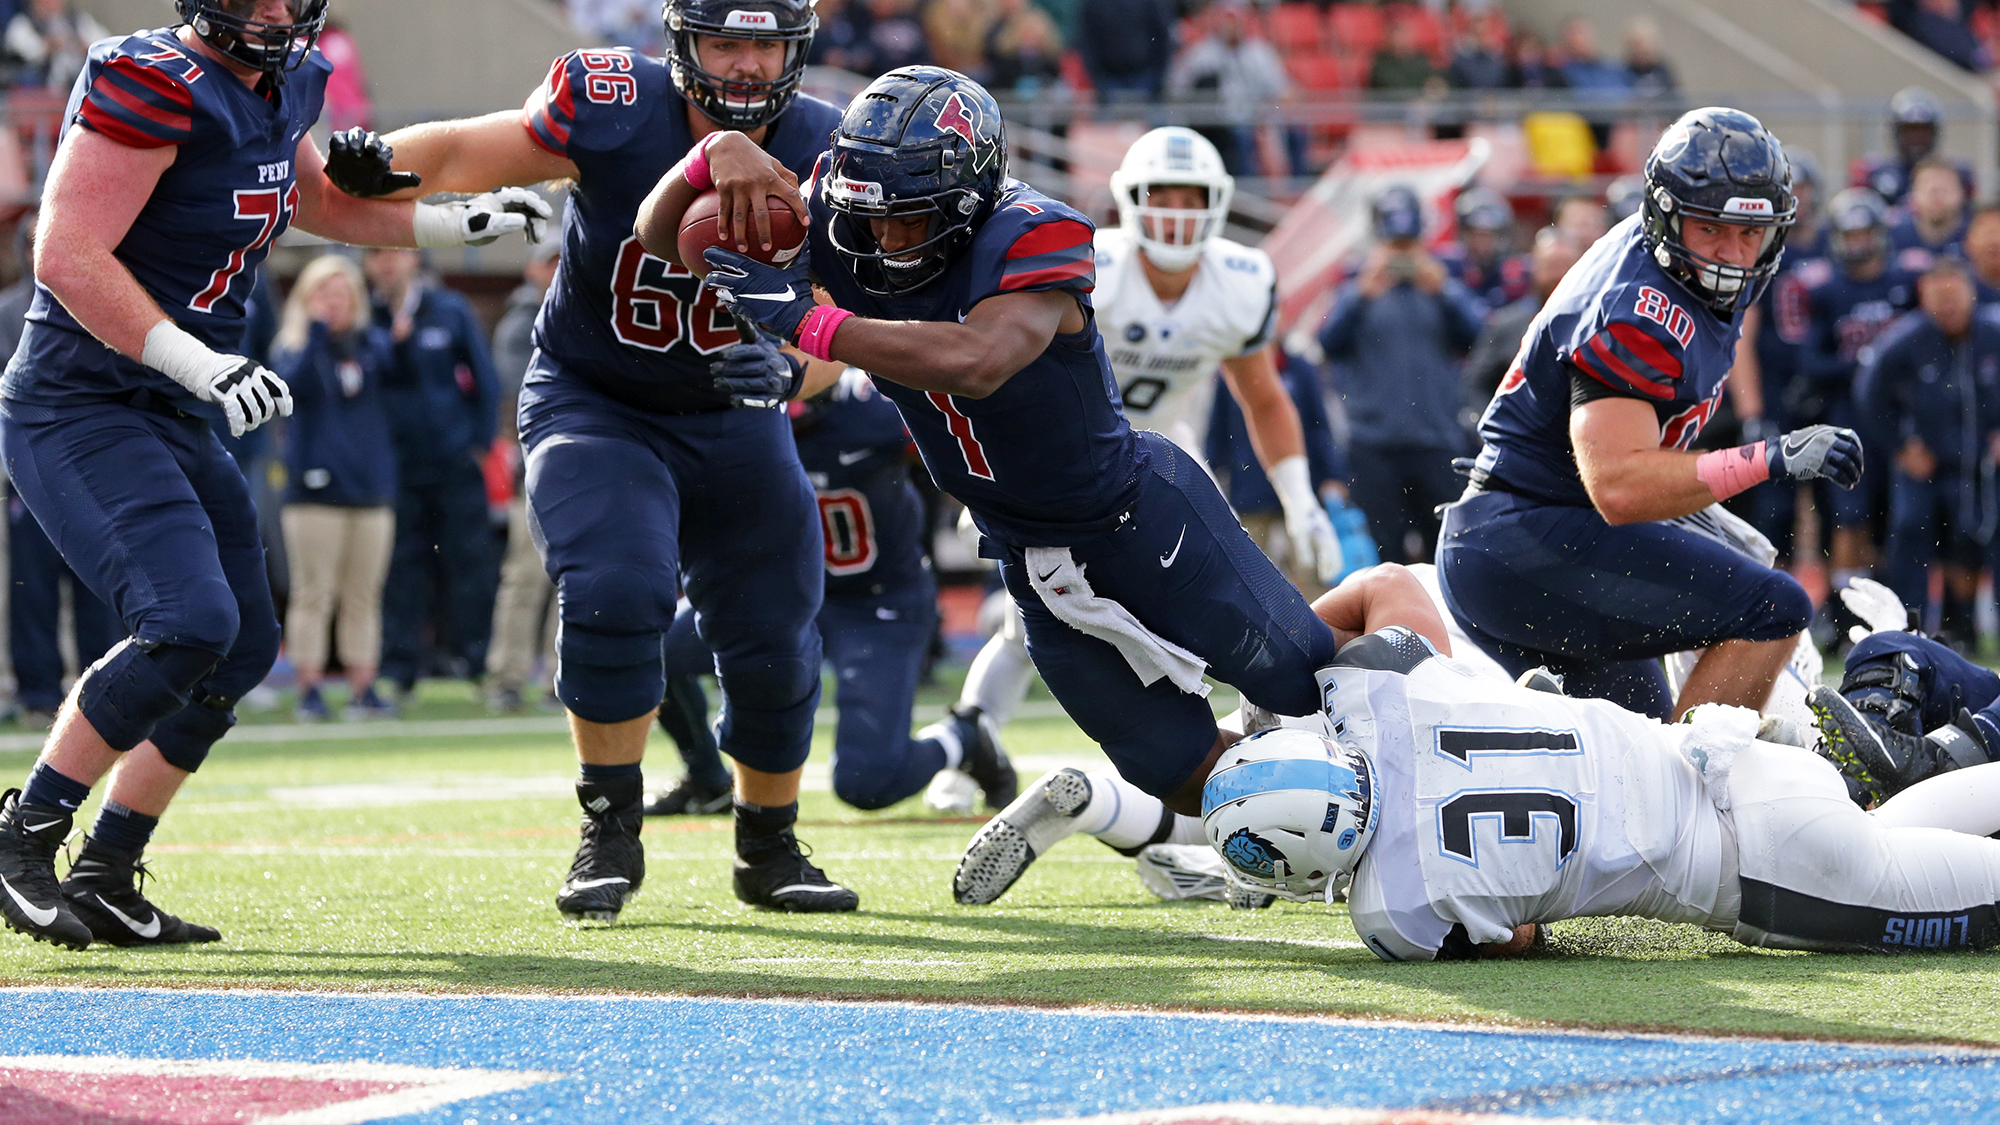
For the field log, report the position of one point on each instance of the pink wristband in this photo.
(1727, 472)
(696, 173)
(817, 329)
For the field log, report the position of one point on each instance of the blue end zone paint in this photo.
(688, 1060)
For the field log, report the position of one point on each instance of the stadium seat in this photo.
(1296, 29)
(1874, 10)
(1559, 144)
(1425, 28)
(1357, 28)
(1321, 71)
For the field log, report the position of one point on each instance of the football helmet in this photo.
(1624, 195)
(919, 141)
(1859, 222)
(1291, 811)
(1172, 157)
(729, 103)
(1914, 121)
(1396, 213)
(1481, 208)
(274, 48)
(1722, 165)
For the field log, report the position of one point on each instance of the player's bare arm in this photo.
(1629, 477)
(1377, 598)
(474, 154)
(327, 211)
(1000, 336)
(1273, 422)
(96, 188)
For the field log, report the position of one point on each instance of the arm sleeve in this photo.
(1632, 357)
(1583, 388)
(550, 112)
(137, 105)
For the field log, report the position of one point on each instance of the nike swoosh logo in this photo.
(149, 931)
(40, 916)
(1167, 559)
(589, 883)
(787, 295)
(1046, 577)
(809, 888)
(1794, 448)
(32, 828)
(851, 458)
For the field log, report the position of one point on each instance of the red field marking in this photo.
(102, 1090)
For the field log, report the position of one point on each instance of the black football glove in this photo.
(357, 161)
(1831, 452)
(777, 297)
(756, 374)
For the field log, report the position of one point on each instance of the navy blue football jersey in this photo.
(1843, 317)
(854, 449)
(646, 337)
(1499, 282)
(196, 244)
(1618, 319)
(1048, 459)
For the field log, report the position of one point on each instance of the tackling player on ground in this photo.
(184, 155)
(653, 454)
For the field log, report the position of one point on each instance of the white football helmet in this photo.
(1291, 811)
(1172, 236)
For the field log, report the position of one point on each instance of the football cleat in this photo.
(782, 877)
(610, 861)
(31, 900)
(1020, 834)
(1175, 872)
(1881, 760)
(689, 797)
(103, 890)
(985, 760)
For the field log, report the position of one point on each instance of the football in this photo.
(699, 232)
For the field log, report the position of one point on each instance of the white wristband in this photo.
(173, 352)
(1293, 483)
(435, 225)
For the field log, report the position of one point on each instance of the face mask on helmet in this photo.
(1170, 229)
(241, 30)
(1291, 812)
(730, 101)
(908, 268)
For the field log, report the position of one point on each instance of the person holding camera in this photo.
(1397, 335)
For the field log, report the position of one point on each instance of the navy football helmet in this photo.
(732, 104)
(919, 141)
(1396, 213)
(1915, 117)
(1860, 224)
(273, 48)
(1481, 208)
(1721, 165)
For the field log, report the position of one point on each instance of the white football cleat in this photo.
(1176, 872)
(951, 791)
(1018, 835)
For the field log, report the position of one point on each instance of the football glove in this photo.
(756, 374)
(482, 219)
(357, 161)
(777, 297)
(1875, 604)
(1815, 452)
(1306, 523)
(248, 393)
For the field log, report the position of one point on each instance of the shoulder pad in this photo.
(608, 77)
(1394, 649)
(1047, 245)
(1646, 331)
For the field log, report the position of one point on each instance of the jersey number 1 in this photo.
(961, 428)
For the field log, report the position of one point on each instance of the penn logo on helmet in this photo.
(750, 21)
(959, 116)
(1741, 205)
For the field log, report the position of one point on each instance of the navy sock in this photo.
(760, 828)
(122, 829)
(611, 773)
(51, 789)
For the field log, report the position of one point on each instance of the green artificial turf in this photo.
(429, 862)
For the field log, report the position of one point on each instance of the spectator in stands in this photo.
(1401, 64)
(1916, 125)
(1235, 65)
(1480, 60)
(1500, 337)
(1582, 218)
(627, 23)
(1126, 46)
(1483, 258)
(1244, 482)
(955, 30)
(842, 39)
(1023, 50)
(347, 101)
(1933, 218)
(340, 481)
(1935, 382)
(1982, 251)
(1399, 328)
(524, 612)
(46, 41)
(442, 398)
(1647, 74)
(1590, 75)
(1941, 25)
(1529, 66)
(895, 38)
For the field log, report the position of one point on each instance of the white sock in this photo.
(1187, 830)
(998, 678)
(946, 736)
(1120, 813)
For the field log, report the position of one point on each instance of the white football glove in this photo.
(249, 393)
(1876, 604)
(482, 219)
(1306, 523)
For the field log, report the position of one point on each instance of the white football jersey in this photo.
(1165, 358)
(1501, 806)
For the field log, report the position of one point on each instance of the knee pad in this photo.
(126, 694)
(608, 677)
(633, 599)
(185, 737)
(769, 740)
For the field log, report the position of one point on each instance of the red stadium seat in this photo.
(1357, 28)
(1321, 72)
(1874, 10)
(1423, 23)
(1296, 29)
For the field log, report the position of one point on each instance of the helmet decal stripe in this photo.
(1252, 778)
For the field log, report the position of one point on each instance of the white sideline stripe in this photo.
(908, 962)
(434, 1086)
(1249, 1112)
(1284, 941)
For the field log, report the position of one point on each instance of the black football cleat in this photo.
(689, 797)
(1882, 761)
(103, 890)
(780, 876)
(610, 861)
(981, 757)
(31, 900)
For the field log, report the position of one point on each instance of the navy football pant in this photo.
(35, 577)
(1548, 584)
(155, 517)
(624, 505)
(1948, 681)
(1186, 569)
(443, 535)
